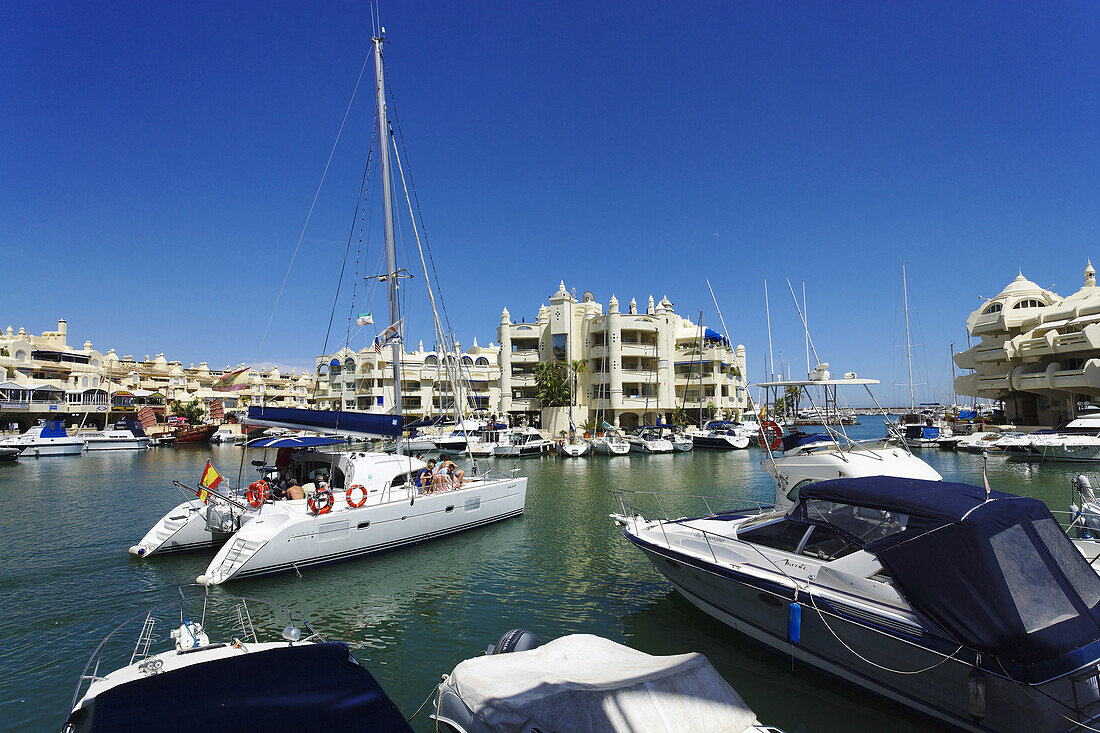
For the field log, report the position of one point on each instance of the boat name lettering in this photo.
(798, 565)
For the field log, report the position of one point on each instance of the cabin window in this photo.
(400, 479)
(863, 524)
(1040, 601)
(1078, 571)
(783, 535)
(793, 493)
(337, 480)
(825, 544)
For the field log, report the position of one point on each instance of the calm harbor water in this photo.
(412, 614)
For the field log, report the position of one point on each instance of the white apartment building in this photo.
(641, 366)
(363, 380)
(1039, 352)
(43, 377)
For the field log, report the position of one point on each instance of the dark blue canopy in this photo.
(347, 423)
(798, 438)
(54, 429)
(131, 424)
(999, 576)
(304, 687)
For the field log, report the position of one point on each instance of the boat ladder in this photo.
(145, 639)
(244, 623)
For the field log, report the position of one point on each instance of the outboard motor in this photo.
(516, 640)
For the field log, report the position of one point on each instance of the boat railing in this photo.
(732, 506)
(631, 511)
(236, 622)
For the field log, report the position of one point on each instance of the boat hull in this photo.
(761, 611)
(610, 449)
(720, 442)
(45, 447)
(182, 529)
(199, 434)
(116, 444)
(288, 537)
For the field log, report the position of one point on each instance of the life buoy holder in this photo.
(258, 493)
(321, 502)
(360, 493)
(771, 434)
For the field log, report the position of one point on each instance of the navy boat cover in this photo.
(294, 441)
(54, 429)
(131, 424)
(997, 575)
(327, 421)
(305, 687)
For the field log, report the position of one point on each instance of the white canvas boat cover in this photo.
(587, 683)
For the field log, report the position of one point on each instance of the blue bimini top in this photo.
(998, 575)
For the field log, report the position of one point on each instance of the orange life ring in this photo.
(770, 427)
(356, 503)
(321, 502)
(258, 493)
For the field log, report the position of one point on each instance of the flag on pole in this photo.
(763, 411)
(364, 319)
(210, 480)
(377, 346)
(233, 381)
(391, 335)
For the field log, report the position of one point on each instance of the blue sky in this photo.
(158, 160)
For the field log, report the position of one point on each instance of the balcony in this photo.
(638, 349)
(524, 356)
(993, 352)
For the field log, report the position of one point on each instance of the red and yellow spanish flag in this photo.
(210, 480)
(763, 412)
(232, 381)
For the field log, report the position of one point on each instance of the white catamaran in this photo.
(353, 515)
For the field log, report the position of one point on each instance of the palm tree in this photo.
(551, 384)
(578, 367)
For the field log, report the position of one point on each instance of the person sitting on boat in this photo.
(424, 476)
(451, 471)
(294, 491)
(318, 483)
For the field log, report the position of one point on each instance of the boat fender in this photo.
(516, 640)
(320, 502)
(356, 496)
(258, 493)
(794, 622)
(975, 695)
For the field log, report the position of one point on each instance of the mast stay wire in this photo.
(313, 204)
(343, 265)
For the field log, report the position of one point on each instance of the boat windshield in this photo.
(863, 524)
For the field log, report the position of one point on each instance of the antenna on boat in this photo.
(908, 344)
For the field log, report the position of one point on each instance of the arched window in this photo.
(349, 364)
(482, 361)
(431, 361)
(1029, 303)
(334, 368)
(467, 361)
(993, 308)
(20, 355)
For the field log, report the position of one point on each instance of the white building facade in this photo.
(1039, 352)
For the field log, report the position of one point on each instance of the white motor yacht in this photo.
(610, 443)
(968, 606)
(583, 682)
(226, 665)
(648, 439)
(723, 434)
(798, 458)
(50, 438)
(127, 434)
(522, 442)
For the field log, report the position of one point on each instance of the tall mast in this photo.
(387, 211)
(908, 346)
